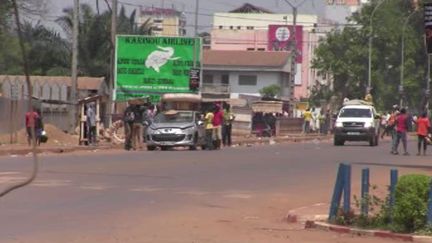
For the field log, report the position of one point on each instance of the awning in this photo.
(267, 106)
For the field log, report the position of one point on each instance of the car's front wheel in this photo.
(151, 148)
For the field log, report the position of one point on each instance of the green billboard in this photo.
(151, 66)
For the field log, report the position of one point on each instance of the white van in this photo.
(357, 122)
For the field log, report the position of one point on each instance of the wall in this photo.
(238, 39)
(261, 20)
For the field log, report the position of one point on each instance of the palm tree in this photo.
(94, 41)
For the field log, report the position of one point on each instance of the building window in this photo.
(231, 27)
(250, 49)
(220, 27)
(250, 27)
(261, 49)
(249, 80)
(239, 27)
(225, 79)
(208, 79)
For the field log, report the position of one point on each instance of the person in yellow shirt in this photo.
(307, 116)
(208, 125)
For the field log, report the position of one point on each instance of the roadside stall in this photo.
(181, 101)
(264, 115)
(83, 104)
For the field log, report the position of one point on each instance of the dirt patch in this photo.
(55, 137)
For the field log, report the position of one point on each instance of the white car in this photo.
(357, 123)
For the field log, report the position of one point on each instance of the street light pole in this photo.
(401, 87)
(369, 88)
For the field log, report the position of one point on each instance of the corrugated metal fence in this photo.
(14, 103)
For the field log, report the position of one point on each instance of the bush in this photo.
(411, 197)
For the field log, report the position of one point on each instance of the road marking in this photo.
(51, 183)
(95, 187)
(238, 196)
(145, 189)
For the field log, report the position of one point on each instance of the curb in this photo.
(58, 150)
(280, 140)
(363, 232)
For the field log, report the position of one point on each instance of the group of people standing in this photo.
(218, 126)
(399, 122)
(136, 118)
(316, 121)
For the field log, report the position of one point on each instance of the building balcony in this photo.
(215, 90)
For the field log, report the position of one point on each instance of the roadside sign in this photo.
(194, 79)
(152, 66)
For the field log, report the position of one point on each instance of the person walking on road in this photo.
(228, 118)
(128, 119)
(30, 122)
(137, 127)
(91, 124)
(307, 116)
(391, 127)
(39, 127)
(217, 125)
(402, 125)
(423, 127)
(208, 125)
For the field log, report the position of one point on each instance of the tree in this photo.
(270, 91)
(94, 42)
(344, 54)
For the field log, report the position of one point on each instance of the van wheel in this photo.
(338, 142)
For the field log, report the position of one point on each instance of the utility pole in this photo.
(112, 62)
(74, 83)
(294, 45)
(195, 34)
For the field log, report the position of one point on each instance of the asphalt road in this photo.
(232, 195)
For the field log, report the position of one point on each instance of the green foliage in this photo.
(50, 53)
(411, 197)
(344, 54)
(270, 91)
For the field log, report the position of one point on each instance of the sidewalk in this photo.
(21, 149)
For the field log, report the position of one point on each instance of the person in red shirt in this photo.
(423, 126)
(30, 121)
(217, 125)
(402, 121)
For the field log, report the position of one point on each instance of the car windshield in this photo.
(355, 112)
(178, 117)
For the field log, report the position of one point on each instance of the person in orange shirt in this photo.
(423, 126)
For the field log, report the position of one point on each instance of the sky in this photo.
(206, 8)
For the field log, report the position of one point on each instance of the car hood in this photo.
(171, 125)
(354, 119)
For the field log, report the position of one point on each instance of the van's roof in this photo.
(357, 107)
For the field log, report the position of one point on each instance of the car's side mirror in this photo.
(377, 117)
(200, 123)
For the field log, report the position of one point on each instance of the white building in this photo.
(164, 21)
